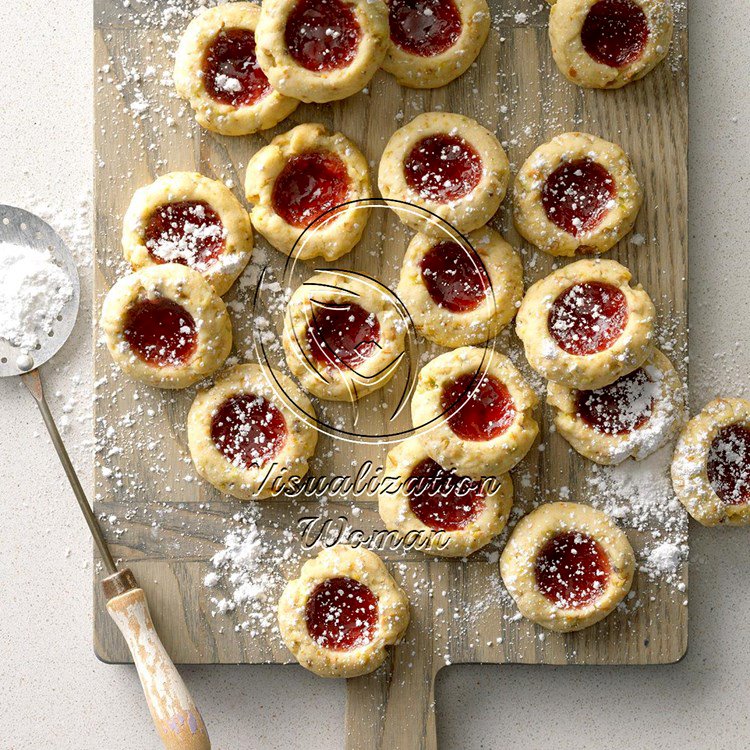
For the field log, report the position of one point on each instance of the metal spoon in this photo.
(174, 712)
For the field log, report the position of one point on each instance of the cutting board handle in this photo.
(394, 707)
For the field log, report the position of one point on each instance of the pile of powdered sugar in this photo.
(241, 575)
(639, 495)
(33, 292)
(664, 560)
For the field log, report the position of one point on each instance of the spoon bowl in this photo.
(19, 227)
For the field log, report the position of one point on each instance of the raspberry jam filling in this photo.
(341, 614)
(187, 232)
(160, 332)
(309, 185)
(424, 27)
(478, 408)
(588, 318)
(322, 34)
(615, 32)
(728, 464)
(572, 570)
(441, 499)
(454, 277)
(622, 407)
(342, 333)
(443, 168)
(231, 73)
(248, 430)
(577, 195)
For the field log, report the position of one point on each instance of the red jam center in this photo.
(342, 333)
(588, 318)
(615, 32)
(424, 27)
(728, 464)
(454, 277)
(341, 614)
(572, 570)
(160, 332)
(248, 430)
(442, 499)
(619, 408)
(577, 195)
(322, 34)
(188, 232)
(478, 408)
(443, 168)
(309, 185)
(231, 73)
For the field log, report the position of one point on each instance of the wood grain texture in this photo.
(167, 530)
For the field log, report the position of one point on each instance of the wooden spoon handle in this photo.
(175, 715)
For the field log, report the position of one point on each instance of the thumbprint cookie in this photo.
(584, 326)
(632, 417)
(343, 336)
(711, 465)
(217, 71)
(321, 50)
(244, 438)
(461, 291)
(567, 566)
(186, 218)
(576, 194)
(606, 44)
(434, 41)
(298, 182)
(341, 614)
(441, 512)
(165, 326)
(448, 165)
(476, 410)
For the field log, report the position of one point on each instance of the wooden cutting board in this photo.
(167, 527)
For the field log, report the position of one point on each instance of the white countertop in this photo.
(54, 693)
